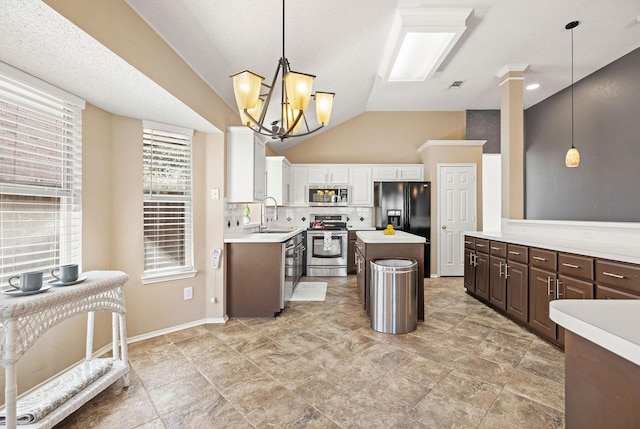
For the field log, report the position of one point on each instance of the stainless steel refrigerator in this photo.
(406, 206)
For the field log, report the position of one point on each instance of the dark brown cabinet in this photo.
(498, 274)
(470, 264)
(351, 253)
(617, 280)
(575, 281)
(521, 281)
(517, 274)
(518, 291)
(542, 290)
(360, 275)
(255, 292)
(482, 269)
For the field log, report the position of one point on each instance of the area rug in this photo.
(310, 291)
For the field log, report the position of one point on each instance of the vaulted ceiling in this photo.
(341, 42)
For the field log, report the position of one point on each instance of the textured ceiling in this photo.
(37, 40)
(341, 42)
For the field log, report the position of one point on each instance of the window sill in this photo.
(165, 277)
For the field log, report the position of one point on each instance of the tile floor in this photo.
(319, 365)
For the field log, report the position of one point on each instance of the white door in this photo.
(457, 188)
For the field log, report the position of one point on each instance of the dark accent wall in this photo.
(606, 185)
(484, 125)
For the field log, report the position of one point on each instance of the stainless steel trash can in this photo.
(393, 295)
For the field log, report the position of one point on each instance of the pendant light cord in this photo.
(283, 56)
(571, 88)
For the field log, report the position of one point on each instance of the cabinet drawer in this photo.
(579, 267)
(498, 248)
(518, 253)
(618, 274)
(544, 259)
(482, 245)
(604, 292)
(570, 288)
(469, 242)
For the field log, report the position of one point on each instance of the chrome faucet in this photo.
(263, 212)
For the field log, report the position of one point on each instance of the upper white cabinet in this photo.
(245, 166)
(278, 180)
(326, 174)
(398, 172)
(299, 185)
(360, 187)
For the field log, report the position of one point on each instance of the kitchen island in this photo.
(602, 362)
(372, 245)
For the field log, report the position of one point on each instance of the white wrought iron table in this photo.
(24, 319)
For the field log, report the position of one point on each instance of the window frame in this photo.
(40, 175)
(177, 193)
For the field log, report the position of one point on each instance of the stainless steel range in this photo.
(327, 244)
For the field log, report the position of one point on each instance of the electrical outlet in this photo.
(215, 194)
(188, 293)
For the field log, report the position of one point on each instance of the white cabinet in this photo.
(399, 172)
(299, 185)
(328, 174)
(245, 166)
(278, 180)
(360, 187)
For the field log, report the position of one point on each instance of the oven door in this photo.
(327, 253)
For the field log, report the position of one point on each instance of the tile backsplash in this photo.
(298, 217)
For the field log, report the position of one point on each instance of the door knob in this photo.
(444, 226)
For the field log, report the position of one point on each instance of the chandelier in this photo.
(295, 95)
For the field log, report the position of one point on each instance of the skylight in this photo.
(419, 42)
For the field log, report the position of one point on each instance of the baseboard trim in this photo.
(153, 334)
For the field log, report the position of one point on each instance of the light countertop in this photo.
(377, 237)
(588, 248)
(262, 237)
(611, 324)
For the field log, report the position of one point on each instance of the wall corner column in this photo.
(512, 139)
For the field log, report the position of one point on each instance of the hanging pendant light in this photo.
(572, 159)
(294, 100)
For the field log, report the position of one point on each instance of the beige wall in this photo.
(112, 181)
(112, 191)
(379, 137)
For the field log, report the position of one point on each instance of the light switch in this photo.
(215, 194)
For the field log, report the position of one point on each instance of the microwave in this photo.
(328, 195)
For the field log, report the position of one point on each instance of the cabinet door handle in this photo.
(617, 276)
(538, 258)
(564, 264)
(511, 252)
(475, 260)
(501, 269)
(495, 248)
(479, 245)
(549, 286)
(558, 294)
(467, 242)
(506, 271)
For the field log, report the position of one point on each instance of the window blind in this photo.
(40, 175)
(168, 220)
